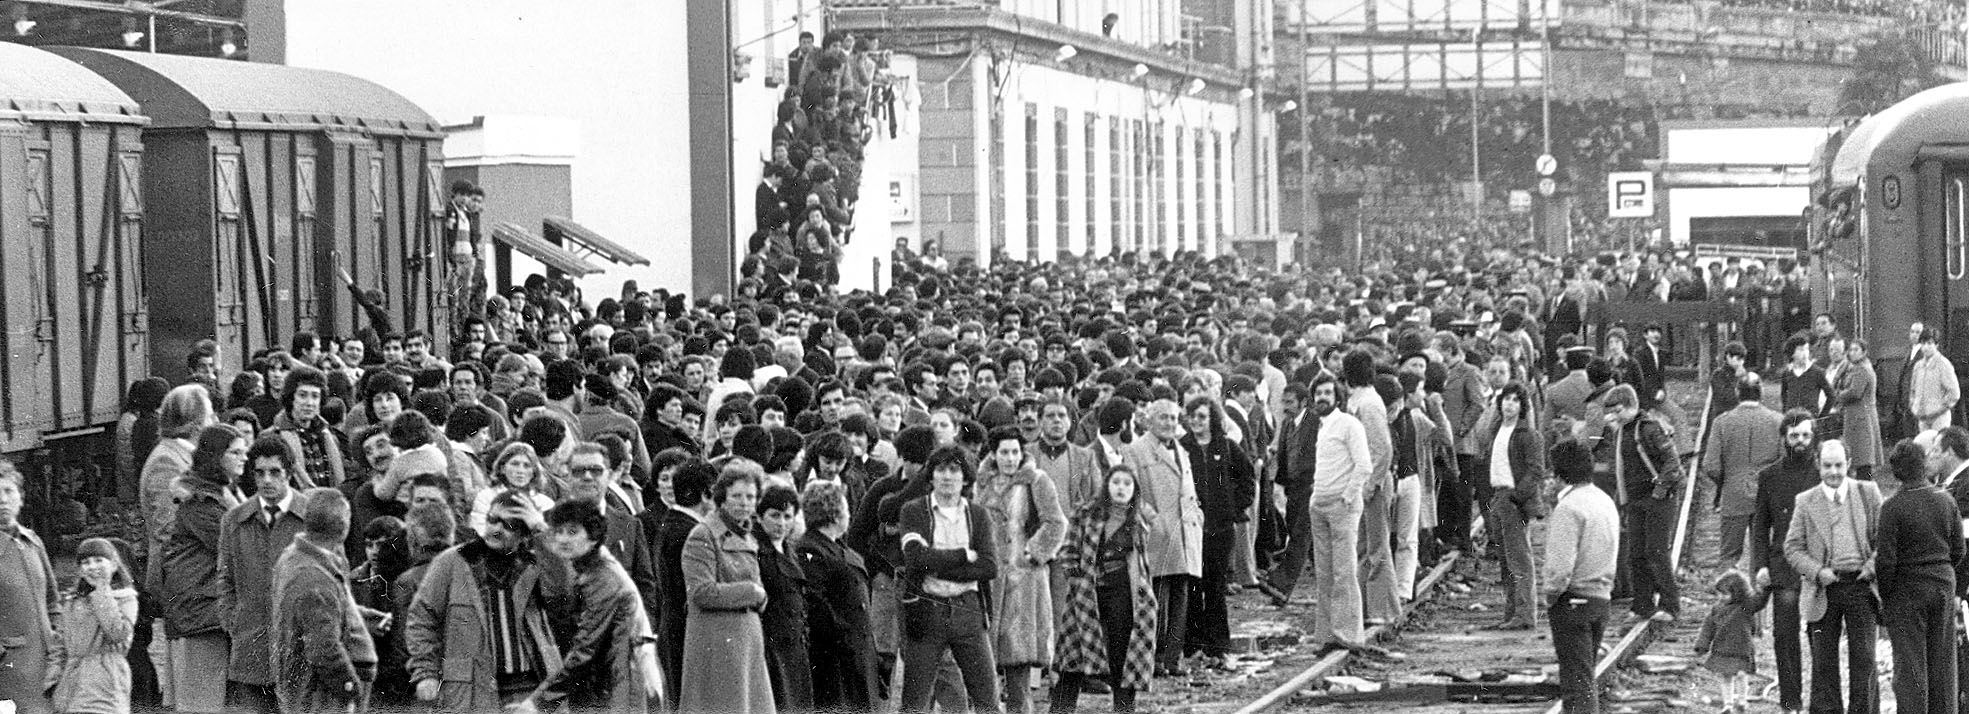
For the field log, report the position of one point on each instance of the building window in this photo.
(997, 197)
(1182, 214)
(1217, 186)
(1060, 182)
(1091, 134)
(1116, 189)
(1032, 181)
(1206, 235)
(1141, 179)
(1158, 233)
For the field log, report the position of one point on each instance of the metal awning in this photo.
(578, 240)
(547, 253)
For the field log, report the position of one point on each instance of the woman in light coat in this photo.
(724, 646)
(87, 669)
(1029, 526)
(1856, 392)
(186, 411)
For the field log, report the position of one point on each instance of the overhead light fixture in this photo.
(22, 24)
(1139, 71)
(1196, 85)
(227, 47)
(1246, 93)
(1066, 52)
(1288, 106)
(131, 35)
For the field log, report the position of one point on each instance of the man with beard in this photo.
(1778, 486)
(489, 585)
(1343, 466)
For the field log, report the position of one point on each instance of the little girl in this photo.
(88, 672)
(1728, 636)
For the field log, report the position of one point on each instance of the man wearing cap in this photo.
(1742, 442)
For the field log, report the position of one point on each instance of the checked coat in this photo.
(1082, 642)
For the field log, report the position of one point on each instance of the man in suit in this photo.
(1297, 440)
(1647, 359)
(1778, 486)
(1742, 442)
(1175, 539)
(1899, 422)
(671, 527)
(1463, 403)
(588, 478)
(1565, 399)
(768, 211)
(1830, 545)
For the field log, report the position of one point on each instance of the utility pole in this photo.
(1476, 158)
(1305, 131)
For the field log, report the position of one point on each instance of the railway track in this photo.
(1454, 663)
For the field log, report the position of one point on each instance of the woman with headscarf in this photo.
(724, 645)
(1108, 628)
(1225, 487)
(1028, 525)
(197, 641)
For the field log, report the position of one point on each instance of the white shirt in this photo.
(1342, 461)
(1500, 458)
(1953, 475)
(1838, 495)
(285, 505)
(953, 532)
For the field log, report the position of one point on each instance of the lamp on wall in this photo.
(1139, 71)
(227, 47)
(1246, 93)
(1196, 85)
(1288, 106)
(1066, 52)
(131, 35)
(22, 24)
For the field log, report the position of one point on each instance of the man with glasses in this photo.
(1778, 486)
(485, 602)
(253, 536)
(555, 344)
(588, 480)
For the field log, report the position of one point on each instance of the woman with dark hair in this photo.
(87, 669)
(189, 573)
(724, 647)
(1225, 487)
(690, 505)
(841, 641)
(1028, 524)
(386, 550)
(1108, 627)
(663, 420)
(1511, 455)
(609, 662)
(136, 434)
(785, 617)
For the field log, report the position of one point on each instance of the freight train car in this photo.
(270, 182)
(71, 288)
(1891, 243)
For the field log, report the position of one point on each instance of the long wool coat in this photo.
(1168, 492)
(724, 647)
(1027, 521)
(248, 550)
(28, 608)
(1856, 392)
(86, 665)
(1083, 643)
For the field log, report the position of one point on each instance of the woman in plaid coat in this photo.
(1108, 627)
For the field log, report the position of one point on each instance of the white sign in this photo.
(1547, 187)
(1630, 194)
(1520, 201)
(1547, 165)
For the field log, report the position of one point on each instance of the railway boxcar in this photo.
(71, 220)
(1893, 239)
(266, 183)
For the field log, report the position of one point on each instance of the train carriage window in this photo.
(1956, 248)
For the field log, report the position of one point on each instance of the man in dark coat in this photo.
(1919, 546)
(588, 477)
(691, 487)
(321, 654)
(839, 634)
(1778, 486)
(29, 599)
(1651, 385)
(250, 540)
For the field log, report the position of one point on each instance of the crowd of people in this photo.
(979, 485)
(804, 204)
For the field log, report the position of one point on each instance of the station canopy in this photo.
(539, 249)
(587, 243)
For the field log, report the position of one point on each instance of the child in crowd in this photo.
(1728, 637)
